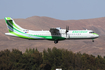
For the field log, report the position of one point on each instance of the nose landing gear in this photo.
(92, 40)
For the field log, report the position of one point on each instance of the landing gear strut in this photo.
(55, 41)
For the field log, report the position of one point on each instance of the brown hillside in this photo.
(45, 23)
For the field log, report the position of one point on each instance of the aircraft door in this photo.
(68, 36)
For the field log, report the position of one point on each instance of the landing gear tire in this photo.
(92, 40)
(56, 41)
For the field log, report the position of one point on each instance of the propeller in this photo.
(67, 29)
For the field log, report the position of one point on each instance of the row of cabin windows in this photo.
(75, 34)
(60, 34)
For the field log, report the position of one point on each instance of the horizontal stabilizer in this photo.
(10, 34)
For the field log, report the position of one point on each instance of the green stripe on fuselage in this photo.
(95, 33)
(52, 37)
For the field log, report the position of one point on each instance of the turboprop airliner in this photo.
(53, 34)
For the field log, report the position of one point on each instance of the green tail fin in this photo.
(12, 25)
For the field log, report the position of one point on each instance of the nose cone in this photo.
(96, 35)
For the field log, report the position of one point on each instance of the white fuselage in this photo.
(54, 34)
(72, 34)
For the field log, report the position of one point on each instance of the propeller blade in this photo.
(67, 29)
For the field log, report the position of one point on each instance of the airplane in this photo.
(54, 34)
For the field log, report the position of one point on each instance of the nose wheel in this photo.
(92, 40)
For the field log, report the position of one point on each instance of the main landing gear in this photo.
(55, 41)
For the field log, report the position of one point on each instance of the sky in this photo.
(58, 9)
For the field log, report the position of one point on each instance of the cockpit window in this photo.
(91, 32)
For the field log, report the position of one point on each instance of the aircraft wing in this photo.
(54, 30)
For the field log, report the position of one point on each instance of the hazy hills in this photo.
(45, 23)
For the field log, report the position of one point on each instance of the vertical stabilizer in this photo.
(11, 25)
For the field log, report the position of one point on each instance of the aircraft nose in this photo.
(96, 35)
